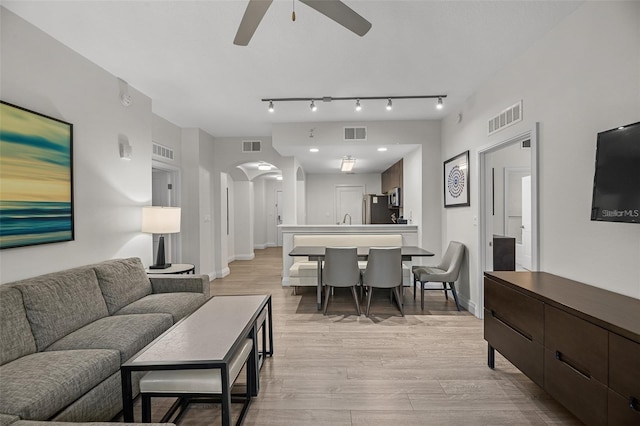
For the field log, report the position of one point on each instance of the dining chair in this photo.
(384, 270)
(446, 272)
(341, 270)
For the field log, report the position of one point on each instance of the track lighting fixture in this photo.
(389, 99)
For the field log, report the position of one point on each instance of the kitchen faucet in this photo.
(344, 219)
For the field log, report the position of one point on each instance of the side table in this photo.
(175, 268)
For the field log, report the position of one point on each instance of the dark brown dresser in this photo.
(579, 343)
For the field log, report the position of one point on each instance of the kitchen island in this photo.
(409, 237)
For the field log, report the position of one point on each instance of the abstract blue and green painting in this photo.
(36, 194)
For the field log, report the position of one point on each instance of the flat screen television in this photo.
(616, 182)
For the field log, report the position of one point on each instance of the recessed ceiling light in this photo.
(278, 177)
(382, 149)
(313, 150)
(264, 166)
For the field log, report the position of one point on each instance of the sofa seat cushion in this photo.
(7, 419)
(39, 385)
(122, 281)
(179, 305)
(307, 268)
(125, 333)
(44, 296)
(15, 331)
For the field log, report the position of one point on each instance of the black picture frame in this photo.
(456, 181)
(36, 170)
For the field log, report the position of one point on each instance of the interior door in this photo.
(525, 255)
(349, 204)
(278, 217)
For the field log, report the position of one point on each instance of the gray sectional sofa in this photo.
(64, 335)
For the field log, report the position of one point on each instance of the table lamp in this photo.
(160, 220)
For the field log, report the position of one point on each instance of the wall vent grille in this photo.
(506, 118)
(162, 151)
(525, 144)
(355, 133)
(251, 146)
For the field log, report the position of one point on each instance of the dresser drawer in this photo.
(521, 351)
(624, 366)
(577, 343)
(584, 396)
(622, 412)
(519, 311)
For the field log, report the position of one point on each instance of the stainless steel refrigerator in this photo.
(376, 209)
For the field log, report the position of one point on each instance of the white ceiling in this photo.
(181, 55)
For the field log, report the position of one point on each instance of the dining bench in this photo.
(304, 272)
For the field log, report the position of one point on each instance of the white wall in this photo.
(320, 189)
(168, 134)
(243, 216)
(39, 73)
(576, 81)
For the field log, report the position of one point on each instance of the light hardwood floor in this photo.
(428, 368)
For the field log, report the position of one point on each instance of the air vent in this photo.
(355, 133)
(525, 144)
(506, 118)
(251, 146)
(162, 151)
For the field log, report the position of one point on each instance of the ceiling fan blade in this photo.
(252, 16)
(342, 14)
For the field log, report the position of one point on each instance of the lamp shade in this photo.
(160, 220)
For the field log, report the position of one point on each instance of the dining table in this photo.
(317, 253)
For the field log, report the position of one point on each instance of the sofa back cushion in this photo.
(122, 281)
(16, 339)
(60, 303)
(345, 240)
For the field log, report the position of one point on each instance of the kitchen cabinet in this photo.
(392, 177)
(579, 343)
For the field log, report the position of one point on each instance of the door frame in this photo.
(484, 188)
(175, 240)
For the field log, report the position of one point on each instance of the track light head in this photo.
(389, 105)
(271, 109)
(358, 106)
(439, 105)
(313, 106)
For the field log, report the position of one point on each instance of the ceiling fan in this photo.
(333, 9)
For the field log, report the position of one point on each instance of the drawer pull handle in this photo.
(500, 320)
(563, 359)
(634, 404)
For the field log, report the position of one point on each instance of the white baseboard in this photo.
(223, 273)
(249, 256)
(260, 246)
(469, 306)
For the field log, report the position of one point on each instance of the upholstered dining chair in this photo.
(446, 272)
(384, 270)
(341, 270)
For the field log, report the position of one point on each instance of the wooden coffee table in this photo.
(208, 338)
